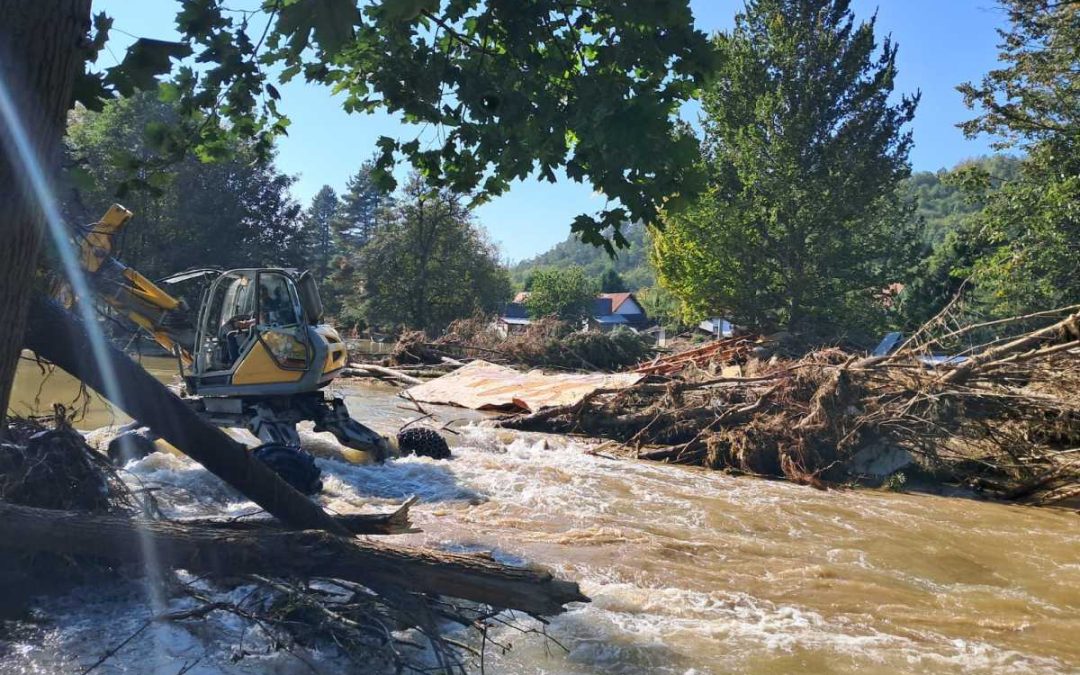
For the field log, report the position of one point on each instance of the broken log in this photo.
(381, 372)
(395, 522)
(207, 550)
(56, 335)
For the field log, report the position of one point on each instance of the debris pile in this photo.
(54, 468)
(1003, 417)
(719, 352)
(548, 343)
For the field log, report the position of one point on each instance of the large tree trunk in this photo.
(54, 334)
(206, 550)
(40, 54)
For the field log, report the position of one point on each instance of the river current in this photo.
(689, 571)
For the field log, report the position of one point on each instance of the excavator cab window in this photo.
(228, 320)
(279, 320)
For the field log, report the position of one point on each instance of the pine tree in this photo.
(318, 227)
(802, 226)
(358, 216)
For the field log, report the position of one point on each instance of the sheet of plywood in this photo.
(486, 386)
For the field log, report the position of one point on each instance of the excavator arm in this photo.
(129, 293)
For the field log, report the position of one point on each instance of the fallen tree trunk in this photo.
(55, 335)
(209, 550)
(396, 522)
(381, 372)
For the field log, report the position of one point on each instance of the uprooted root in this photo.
(1006, 420)
(54, 468)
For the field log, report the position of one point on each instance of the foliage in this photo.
(317, 229)
(427, 265)
(631, 263)
(662, 306)
(1027, 235)
(951, 242)
(516, 90)
(552, 343)
(564, 293)
(234, 213)
(612, 282)
(358, 216)
(941, 203)
(802, 225)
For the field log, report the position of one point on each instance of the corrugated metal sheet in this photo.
(485, 386)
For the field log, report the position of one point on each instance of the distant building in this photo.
(513, 319)
(717, 327)
(627, 306)
(609, 310)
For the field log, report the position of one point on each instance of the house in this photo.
(609, 310)
(627, 306)
(513, 319)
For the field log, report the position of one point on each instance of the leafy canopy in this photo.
(564, 293)
(514, 88)
(234, 213)
(801, 226)
(1026, 238)
(427, 265)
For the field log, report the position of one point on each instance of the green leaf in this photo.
(90, 90)
(332, 21)
(144, 61)
(407, 10)
(82, 179)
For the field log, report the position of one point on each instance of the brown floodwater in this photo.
(693, 571)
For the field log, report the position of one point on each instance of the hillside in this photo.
(631, 263)
(940, 205)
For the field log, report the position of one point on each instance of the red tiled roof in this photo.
(617, 299)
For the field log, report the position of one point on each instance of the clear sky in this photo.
(942, 43)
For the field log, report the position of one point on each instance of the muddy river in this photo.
(689, 571)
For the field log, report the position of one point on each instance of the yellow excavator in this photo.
(251, 350)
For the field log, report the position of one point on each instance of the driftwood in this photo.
(1005, 421)
(380, 372)
(395, 522)
(311, 553)
(56, 335)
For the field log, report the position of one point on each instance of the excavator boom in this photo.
(129, 293)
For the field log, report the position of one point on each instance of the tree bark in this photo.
(205, 550)
(56, 335)
(40, 54)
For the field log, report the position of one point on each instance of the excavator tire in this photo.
(423, 442)
(130, 445)
(295, 465)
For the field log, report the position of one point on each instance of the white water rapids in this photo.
(689, 571)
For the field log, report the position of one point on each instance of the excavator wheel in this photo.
(423, 442)
(296, 466)
(130, 445)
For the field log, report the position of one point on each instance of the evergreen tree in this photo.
(317, 227)
(802, 225)
(612, 282)
(358, 216)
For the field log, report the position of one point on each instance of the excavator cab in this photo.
(259, 334)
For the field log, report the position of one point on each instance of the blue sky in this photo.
(942, 43)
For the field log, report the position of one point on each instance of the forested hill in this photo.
(940, 203)
(632, 263)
